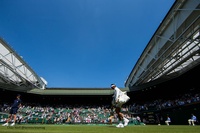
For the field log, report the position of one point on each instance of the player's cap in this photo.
(18, 95)
(112, 85)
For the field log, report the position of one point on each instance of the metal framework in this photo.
(173, 49)
(15, 74)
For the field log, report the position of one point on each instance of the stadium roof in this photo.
(15, 73)
(75, 91)
(173, 49)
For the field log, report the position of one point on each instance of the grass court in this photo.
(29, 128)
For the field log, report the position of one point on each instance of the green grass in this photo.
(100, 129)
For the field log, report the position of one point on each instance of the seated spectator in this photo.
(138, 119)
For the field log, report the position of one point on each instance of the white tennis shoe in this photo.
(120, 125)
(126, 121)
(5, 124)
(12, 124)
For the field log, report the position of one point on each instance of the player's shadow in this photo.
(111, 126)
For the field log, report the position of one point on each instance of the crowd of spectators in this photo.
(61, 114)
(160, 104)
(66, 114)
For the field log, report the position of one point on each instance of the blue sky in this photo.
(81, 43)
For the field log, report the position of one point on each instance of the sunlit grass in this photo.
(100, 129)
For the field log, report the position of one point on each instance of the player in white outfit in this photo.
(118, 105)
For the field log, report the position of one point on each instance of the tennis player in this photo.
(118, 105)
(13, 111)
